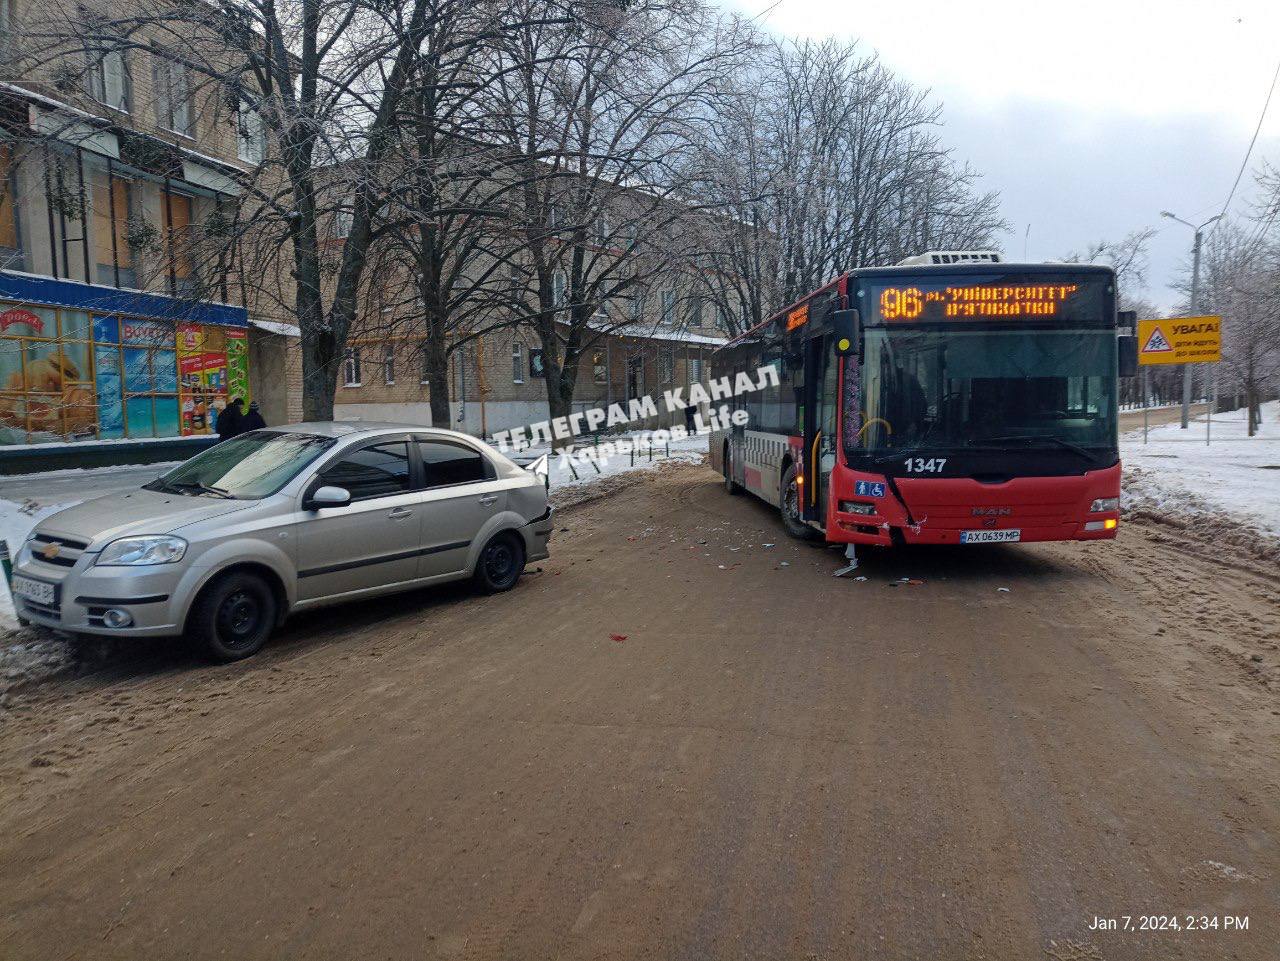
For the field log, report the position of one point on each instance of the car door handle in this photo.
(487, 500)
(400, 513)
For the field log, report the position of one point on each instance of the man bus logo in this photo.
(1157, 343)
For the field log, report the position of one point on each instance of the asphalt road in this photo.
(766, 763)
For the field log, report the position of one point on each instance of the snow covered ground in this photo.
(1235, 475)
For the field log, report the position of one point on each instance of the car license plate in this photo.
(33, 590)
(989, 537)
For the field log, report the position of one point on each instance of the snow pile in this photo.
(1236, 477)
(575, 472)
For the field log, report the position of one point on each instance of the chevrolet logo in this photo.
(50, 551)
(992, 511)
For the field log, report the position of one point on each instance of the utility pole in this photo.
(1195, 303)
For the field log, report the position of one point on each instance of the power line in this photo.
(1244, 164)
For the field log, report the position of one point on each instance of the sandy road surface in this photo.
(1132, 419)
(773, 764)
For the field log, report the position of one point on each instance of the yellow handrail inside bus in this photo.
(813, 459)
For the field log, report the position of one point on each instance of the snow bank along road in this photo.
(664, 748)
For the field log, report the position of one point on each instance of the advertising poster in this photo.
(238, 365)
(202, 371)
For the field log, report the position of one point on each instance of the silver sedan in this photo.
(226, 545)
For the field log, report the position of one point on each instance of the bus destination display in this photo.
(919, 301)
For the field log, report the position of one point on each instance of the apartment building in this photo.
(120, 318)
(497, 381)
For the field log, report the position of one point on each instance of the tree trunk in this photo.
(320, 363)
(437, 364)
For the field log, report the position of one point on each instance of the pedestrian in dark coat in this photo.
(229, 421)
(252, 420)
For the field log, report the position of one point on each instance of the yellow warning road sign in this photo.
(1180, 340)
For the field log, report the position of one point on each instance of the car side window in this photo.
(445, 464)
(376, 471)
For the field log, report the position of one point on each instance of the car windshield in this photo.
(250, 466)
(951, 390)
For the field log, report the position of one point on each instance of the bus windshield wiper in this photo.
(202, 488)
(1065, 444)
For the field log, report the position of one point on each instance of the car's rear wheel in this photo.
(233, 616)
(500, 564)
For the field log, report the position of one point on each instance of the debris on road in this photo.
(618, 637)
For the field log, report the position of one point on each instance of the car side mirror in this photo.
(1127, 345)
(328, 496)
(846, 324)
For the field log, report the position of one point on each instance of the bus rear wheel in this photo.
(790, 509)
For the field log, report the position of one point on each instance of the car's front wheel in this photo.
(500, 563)
(233, 616)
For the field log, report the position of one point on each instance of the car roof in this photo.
(346, 430)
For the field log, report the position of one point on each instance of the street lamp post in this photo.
(1195, 302)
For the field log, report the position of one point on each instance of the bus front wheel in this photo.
(791, 522)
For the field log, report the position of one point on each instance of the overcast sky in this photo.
(1089, 118)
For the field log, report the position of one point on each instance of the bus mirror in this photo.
(1128, 320)
(1128, 345)
(845, 324)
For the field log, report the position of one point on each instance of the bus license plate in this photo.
(989, 537)
(33, 590)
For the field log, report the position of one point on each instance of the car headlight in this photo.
(1104, 504)
(140, 551)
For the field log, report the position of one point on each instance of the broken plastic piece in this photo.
(851, 554)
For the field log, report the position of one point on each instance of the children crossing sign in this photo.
(1180, 340)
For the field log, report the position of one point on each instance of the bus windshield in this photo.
(952, 389)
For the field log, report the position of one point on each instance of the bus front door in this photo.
(820, 379)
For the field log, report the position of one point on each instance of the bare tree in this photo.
(820, 160)
(598, 118)
(1240, 280)
(326, 80)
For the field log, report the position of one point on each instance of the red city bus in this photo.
(954, 399)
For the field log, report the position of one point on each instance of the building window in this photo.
(181, 246)
(602, 230)
(666, 364)
(172, 87)
(669, 307)
(251, 135)
(559, 290)
(695, 312)
(112, 207)
(10, 246)
(599, 367)
(389, 365)
(637, 304)
(351, 365)
(517, 362)
(107, 79)
(695, 370)
(635, 377)
(426, 372)
(342, 219)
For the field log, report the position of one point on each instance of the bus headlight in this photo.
(1103, 504)
(853, 507)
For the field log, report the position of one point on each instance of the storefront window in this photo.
(67, 375)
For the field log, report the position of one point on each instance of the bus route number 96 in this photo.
(924, 465)
(899, 304)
